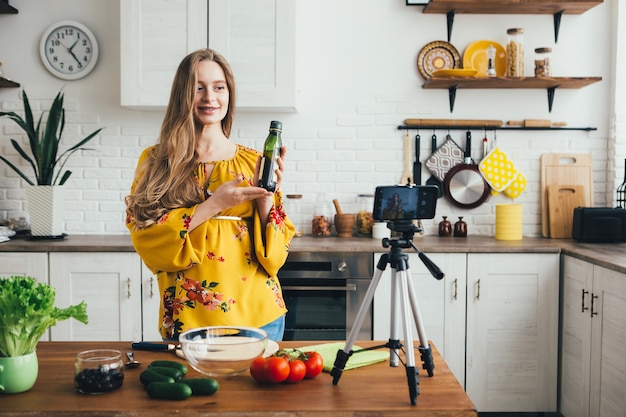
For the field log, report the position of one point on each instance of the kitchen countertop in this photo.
(373, 390)
(612, 256)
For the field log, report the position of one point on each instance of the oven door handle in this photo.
(348, 287)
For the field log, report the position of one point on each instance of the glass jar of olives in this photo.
(98, 371)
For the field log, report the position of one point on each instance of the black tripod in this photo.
(403, 288)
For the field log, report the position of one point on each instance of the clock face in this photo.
(69, 50)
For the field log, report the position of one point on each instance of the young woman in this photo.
(196, 217)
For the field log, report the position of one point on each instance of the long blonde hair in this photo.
(166, 179)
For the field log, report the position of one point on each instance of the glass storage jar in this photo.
(98, 371)
(292, 210)
(542, 62)
(364, 218)
(322, 223)
(515, 52)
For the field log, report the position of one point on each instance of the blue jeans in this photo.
(276, 329)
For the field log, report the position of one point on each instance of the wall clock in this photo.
(69, 50)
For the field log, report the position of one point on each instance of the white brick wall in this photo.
(344, 140)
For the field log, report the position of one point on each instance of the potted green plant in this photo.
(27, 311)
(47, 163)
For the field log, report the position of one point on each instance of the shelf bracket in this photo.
(551, 91)
(557, 25)
(452, 97)
(450, 22)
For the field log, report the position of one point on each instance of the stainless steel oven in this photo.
(323, 292)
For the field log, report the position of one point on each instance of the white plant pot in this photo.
(45, 208)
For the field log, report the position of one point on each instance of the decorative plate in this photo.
(437, 55)
(455, 73)
(475, 56)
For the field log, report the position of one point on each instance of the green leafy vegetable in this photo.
(27, 310)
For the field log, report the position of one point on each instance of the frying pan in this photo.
(464, 185)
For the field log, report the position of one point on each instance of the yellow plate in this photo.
(454, 73)
(475, 56)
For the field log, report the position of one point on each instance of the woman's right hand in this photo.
(227, 195)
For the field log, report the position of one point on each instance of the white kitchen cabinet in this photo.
(512, 331)
(26, 264)
(150, 302)
(110, 284)
(593, 358)
(441, 304)
(256, 36)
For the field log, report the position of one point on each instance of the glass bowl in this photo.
(98, 371)
(222, 351)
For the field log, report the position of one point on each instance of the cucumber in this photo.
(164, 370)
(169, 390)
(201, 386)
(148, 376)
(171, 364)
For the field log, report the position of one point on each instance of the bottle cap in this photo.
(275, 124)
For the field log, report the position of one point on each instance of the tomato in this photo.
(276, 369)
(256, 370)
(314, 364)
(297, 371)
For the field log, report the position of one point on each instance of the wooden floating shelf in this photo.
(555, 8)
(510, 6)
(548, 83)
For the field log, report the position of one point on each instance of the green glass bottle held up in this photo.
(271, 151)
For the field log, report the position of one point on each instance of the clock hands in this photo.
(69, 50)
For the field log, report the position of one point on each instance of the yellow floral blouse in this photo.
(220, 273)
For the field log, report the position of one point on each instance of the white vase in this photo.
(45, 208)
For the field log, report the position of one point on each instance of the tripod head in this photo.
(408, 229)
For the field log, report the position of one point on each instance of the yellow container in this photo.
(509, 222)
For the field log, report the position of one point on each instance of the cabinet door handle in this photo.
(584, 293)
(128, 287)
(456, 289)
(593, 312)
(478, 290)
(152, 287)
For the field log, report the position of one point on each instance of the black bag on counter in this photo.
(599, 225)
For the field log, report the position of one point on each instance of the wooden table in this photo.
(374, 390)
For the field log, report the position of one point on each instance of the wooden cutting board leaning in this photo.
(564, 169)
(562, 200)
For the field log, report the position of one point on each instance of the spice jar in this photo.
(321, 224)
(491, 62)
(542, 62)
(460, 228)
(445, 227)
(515, 52)
(364, 218)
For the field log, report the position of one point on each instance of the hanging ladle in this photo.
(132, 363)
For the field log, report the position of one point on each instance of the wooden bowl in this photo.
(344, 224)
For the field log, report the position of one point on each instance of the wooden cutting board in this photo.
(562, 200)
(564, 169)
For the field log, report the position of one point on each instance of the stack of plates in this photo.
(508, 222)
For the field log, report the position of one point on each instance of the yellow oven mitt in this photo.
(329, 353)
(497, 169)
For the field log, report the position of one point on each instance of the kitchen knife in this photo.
(417, 165)
(165, 347)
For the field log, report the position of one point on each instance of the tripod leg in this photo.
(394, 331)
(409, 353)
(343, 355)
(424, 348)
